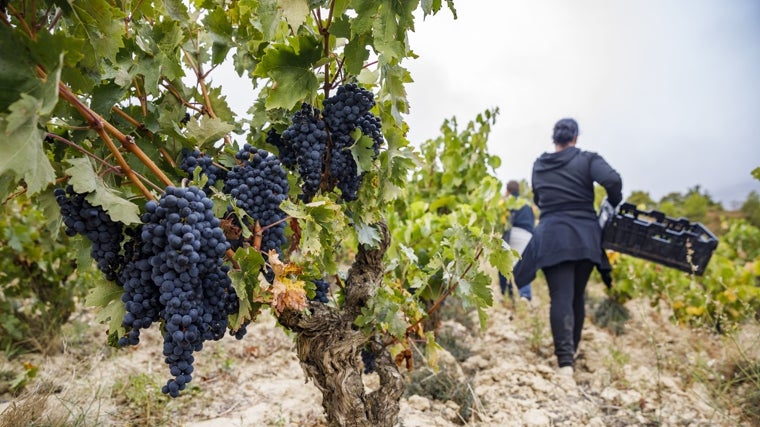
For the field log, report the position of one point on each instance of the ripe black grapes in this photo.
(322, 291)
(347, 110)
(369, 358)
(183, 245)
(260, 184)
(193, 159)
(141, 295)
(307, 138)
(93, 222)
(287, 154)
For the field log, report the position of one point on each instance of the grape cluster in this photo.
(180, 248)
(80, 217)
(322, 291)
(307, 138)
(140, 295)
(343, 112)
(193, 159)
(369, 358)
(260, 184)
(288, 155)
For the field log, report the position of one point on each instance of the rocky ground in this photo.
(653, 374)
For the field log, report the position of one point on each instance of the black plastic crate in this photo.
(653, 236)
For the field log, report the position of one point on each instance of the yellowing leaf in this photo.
(695, 311)
(730, 295)
(288, 293)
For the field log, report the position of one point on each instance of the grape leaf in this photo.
(295, 12)
(365, 16)
(362, 151)
(367, 234)
(207, 130)
(85, 180)
(356, 53)
(102, 27)
(291, 70)
(21, 143)
(269, 16)
(107, 296)
(387, 34)
(16, 68)
(756, 173)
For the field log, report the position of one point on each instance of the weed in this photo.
(443, 386)
(616, 362)
(611, 315)
(141, 400)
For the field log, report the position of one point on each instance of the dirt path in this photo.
(503, 376)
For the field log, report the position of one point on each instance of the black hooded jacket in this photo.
(563, 188)
(564, 182)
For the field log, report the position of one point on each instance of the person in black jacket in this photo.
(566, 244)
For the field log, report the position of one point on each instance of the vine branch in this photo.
(449, 290)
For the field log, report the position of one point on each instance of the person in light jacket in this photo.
(521, 224)
(566, 244)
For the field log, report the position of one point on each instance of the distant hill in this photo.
(732, 196)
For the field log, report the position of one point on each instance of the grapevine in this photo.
(112, 81)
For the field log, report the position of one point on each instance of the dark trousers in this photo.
(567, 289)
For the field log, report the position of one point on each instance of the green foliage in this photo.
(447, 221)
(642, 199)
(105, 95)
(38, 283)
(140, 400)
(728, 293)
(693, 205)
(751, 208)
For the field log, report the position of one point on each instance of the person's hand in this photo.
(607, 278)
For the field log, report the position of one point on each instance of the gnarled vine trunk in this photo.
(328, 345)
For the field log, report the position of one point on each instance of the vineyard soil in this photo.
(653, 374)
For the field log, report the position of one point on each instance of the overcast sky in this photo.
(668, 91)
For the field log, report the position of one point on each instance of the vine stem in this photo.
(141, 128)
(449, 290)
(208, 108)
(105, 129)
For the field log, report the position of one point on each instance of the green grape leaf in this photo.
(386, 33)
(295, 12)
(245, 282)
(86, 181)
(207, 130)
(756, 173)
(432, 350)
(368, 77)
(219, 104)
(366, 11)
(356, 53)
(107, 296)
(102, 27)
(176, 10)
(367, 234)
(291, 69)
(502, 259)
(21, 143)
(105, 96)
(269, 16)
(362, 151)
(16, 68)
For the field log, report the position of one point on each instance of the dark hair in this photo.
(513, 188)
(565, 131)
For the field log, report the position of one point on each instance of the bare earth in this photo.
(647, 376)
